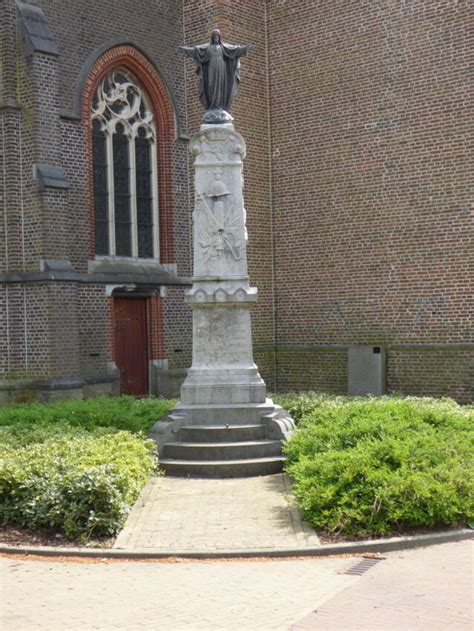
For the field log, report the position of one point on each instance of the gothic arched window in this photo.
(124, 162)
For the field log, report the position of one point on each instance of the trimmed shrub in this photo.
(18, 436)
(69, 467)
(78, 484)
(300, 404)
(381, 465)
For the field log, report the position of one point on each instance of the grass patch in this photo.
(76, 467)
(364, 467)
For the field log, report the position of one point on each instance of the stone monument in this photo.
(223, 389)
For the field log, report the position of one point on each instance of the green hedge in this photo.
(70, 467)
(120, 413)
(382, 465)
(82, 486)
(301, 404)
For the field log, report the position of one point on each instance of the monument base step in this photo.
(223, 468)
(223, 413)
(222, 433)
(223, 451)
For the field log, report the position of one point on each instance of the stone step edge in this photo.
(245, 443)
(221, 463)
(223, 427)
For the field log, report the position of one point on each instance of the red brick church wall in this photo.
(372, 172)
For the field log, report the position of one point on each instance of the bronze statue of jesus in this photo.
(218, 69)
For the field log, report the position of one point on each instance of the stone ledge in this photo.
(10, 105)
(48, 176)
(388, 346)
(35, 30)
(69, 116)
(55, 384)
(56, 265)
(153, 279)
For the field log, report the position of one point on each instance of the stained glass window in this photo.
(123, 224)
(144, 195)
(124, 167)
(101, 196)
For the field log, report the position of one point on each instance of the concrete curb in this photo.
(356, 547)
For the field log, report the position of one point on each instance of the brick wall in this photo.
(95, 330)
(432, 371)
(29, 355)
(373, 183)
(74, 161)
(178, 329)
(323, 368)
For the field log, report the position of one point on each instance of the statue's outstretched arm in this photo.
(243, 50)
(189, 51)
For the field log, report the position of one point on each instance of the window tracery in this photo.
(125, 178)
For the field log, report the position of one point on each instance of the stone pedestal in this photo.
(223, 385)
(223, 370)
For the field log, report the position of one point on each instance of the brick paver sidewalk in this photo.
(190, 515)
(153, 596)
(429, 589)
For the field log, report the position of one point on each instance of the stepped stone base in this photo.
(223, 440)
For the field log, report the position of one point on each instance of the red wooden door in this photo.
(131, 344)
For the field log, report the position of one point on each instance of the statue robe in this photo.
(218, 69)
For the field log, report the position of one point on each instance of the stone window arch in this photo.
(130, 135)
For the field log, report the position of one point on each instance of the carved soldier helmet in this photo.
(217, 188)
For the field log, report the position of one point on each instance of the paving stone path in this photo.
(429, 589)
(190, 515)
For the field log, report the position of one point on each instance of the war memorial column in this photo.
(223, 385)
